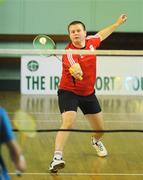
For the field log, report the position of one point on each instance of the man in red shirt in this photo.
(76, 88)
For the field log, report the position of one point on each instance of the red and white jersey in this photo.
(88, 65)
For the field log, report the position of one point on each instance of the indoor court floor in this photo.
(125, 159)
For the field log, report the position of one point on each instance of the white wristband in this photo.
(18, 173)
(21, 158)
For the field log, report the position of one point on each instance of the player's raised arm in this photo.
(104, 33)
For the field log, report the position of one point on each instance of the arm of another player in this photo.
(103, 34)
(9, 139)
(16, 155)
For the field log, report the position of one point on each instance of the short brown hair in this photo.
(77, 22)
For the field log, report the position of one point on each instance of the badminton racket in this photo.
(44, 42)
(25, 123)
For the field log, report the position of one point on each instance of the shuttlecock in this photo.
(43, 40)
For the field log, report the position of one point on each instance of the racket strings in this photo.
(43, 42)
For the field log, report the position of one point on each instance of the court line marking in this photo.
(82, 174)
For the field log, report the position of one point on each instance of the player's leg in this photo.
(96, 122)
(68, 107)
(68, 121)
(92, 111)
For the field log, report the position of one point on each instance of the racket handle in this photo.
(71, 71)
(80, 78)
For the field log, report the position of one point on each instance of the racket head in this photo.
(25, 123)
(43, 42)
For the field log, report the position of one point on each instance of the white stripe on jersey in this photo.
(93, 36)
(70, 59)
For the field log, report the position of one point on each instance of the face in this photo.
(77, 34)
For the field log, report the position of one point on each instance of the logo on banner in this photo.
(33, 65)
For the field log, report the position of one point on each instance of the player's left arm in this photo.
(8, 137)
(104, 33)
(16, 155)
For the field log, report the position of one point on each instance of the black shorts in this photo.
(68, 101)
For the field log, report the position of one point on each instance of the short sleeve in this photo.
(6, 133)
(94, 40)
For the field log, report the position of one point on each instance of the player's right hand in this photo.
(76, 71)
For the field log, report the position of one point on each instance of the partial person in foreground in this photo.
(76, 88)
(7, 137)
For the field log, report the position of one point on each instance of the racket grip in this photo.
(72, 71)
(80, 78)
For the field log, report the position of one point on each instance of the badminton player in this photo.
(7, 137)
(76, 88)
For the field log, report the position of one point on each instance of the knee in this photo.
(68, 120)
(68, 124)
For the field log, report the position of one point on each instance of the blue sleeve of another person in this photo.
(6, 133)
